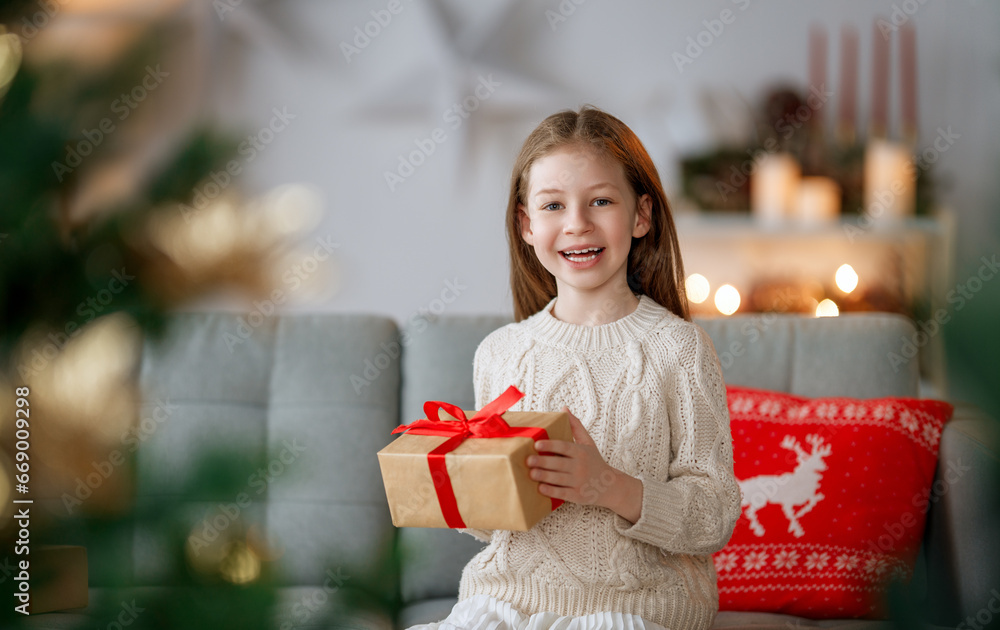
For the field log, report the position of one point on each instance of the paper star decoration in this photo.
(457, 83)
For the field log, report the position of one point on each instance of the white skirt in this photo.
(482, 612)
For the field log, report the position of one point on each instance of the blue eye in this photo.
(549, 205)
(602, 202)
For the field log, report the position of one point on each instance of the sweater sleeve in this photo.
(482, 365)
(695, 509)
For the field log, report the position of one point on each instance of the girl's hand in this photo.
(576, 472)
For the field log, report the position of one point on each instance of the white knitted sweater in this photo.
(649, 390)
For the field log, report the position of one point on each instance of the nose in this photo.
(577, 219)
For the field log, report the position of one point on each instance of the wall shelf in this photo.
(910, 260)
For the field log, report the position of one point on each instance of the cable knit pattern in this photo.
(649, 389)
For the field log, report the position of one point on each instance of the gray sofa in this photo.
(331, 387)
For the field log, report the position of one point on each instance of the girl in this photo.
(603, 331)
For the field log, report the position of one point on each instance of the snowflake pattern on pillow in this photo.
(835, 492)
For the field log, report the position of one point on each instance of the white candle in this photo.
(890, 184)
(818, 200)
(773, 187)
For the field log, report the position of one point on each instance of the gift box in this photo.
(469, 470)
(61, 572)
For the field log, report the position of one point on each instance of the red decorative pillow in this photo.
(834, 496)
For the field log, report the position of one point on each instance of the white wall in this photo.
(399, 249)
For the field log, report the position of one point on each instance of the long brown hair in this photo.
(654, 260)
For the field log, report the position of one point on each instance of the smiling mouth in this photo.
(581, 255)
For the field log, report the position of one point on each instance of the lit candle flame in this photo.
(10, 57)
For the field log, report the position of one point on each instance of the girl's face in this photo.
(580, 217)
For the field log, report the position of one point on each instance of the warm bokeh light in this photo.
(86, 384)
(225, 555)
(727, 299)
(697, 287)
(5, 484)
(10, 57)
(847, 278)
(240, 564)
(292, 209)
(827, 308)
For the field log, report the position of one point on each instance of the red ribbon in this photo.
(485, 423)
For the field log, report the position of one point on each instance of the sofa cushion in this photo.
(306, 400)
(835, 492)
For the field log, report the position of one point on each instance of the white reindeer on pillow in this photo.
(789, 489)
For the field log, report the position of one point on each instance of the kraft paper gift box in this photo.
(464, 473)
(61, 572)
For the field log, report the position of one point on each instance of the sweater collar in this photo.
(546, 328)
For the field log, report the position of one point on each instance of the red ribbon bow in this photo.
(485, 423)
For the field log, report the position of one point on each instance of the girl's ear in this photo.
(643, 216)
(525, 224)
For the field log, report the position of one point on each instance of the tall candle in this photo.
(773, 187)
(817, 57)
(889, 185)
(847, 125)
(908, 82)
(880, 83)
(817, 71)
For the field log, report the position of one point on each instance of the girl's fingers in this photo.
(580, 434)
(549, 463)
(554, 492)
(552, 478)
(561, 447)
(556, 462)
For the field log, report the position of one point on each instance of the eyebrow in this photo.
(592, 187)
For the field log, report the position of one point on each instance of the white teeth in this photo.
(582, 251)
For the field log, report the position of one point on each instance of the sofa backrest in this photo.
(851, 355)
(312, 397)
